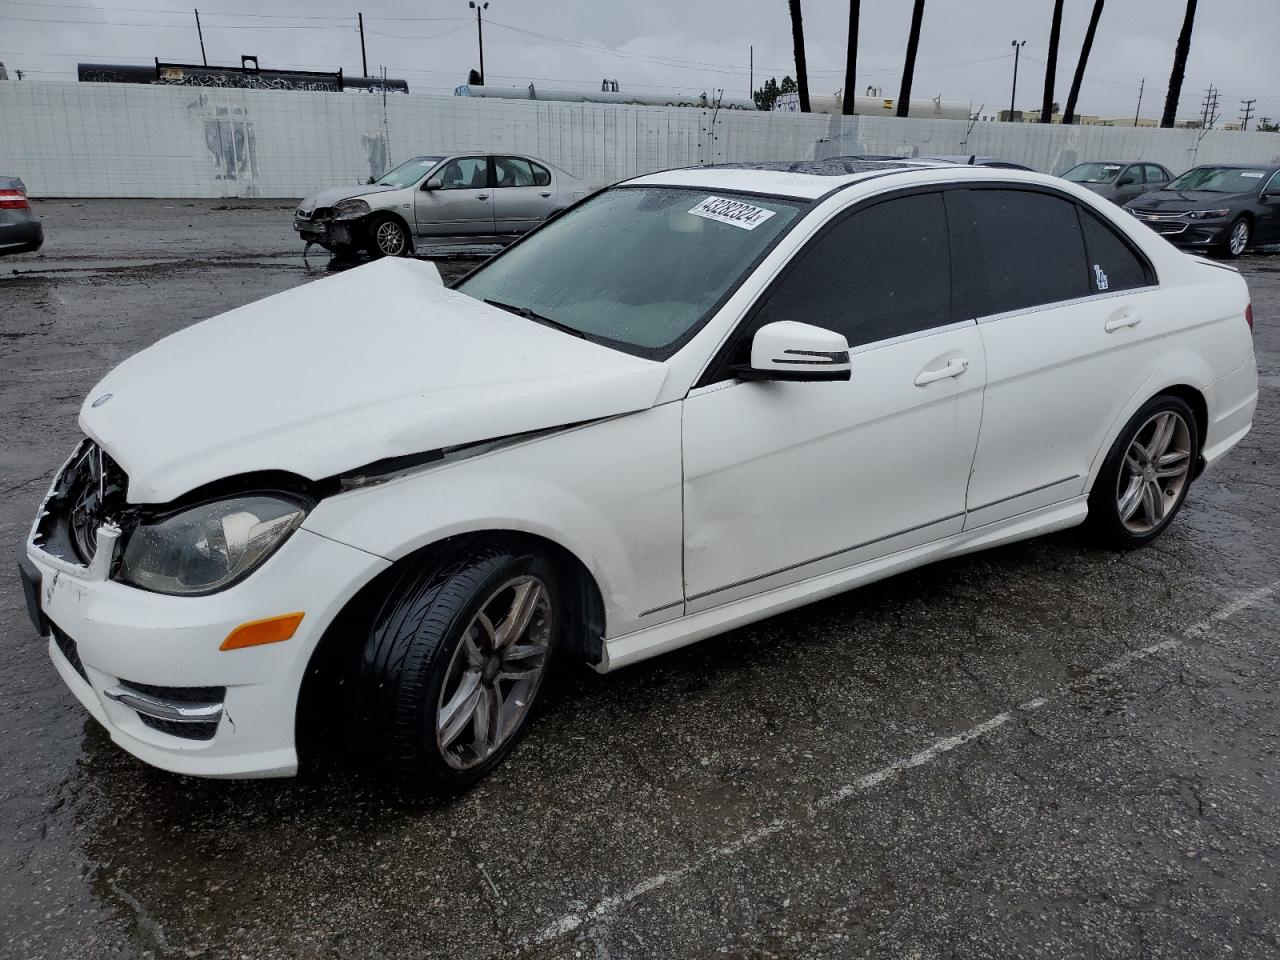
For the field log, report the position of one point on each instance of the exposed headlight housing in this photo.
(1206, 214)
(208, 547)
(350, 209)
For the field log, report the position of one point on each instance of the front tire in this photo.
(455, 660)
(1144, 480)
(1238, 238)
(388, 237)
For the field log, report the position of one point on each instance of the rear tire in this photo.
(1146, 475)
(441, 694)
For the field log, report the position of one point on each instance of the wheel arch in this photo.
(315, 715)
(376, 215)
(1192, 395)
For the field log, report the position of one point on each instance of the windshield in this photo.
(409, 172)
(636, 268)
(1220, 179)
(1093, 172)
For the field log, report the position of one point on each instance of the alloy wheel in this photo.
(1154, 473)
(494, 673)
(390, 238)
(1239, 238)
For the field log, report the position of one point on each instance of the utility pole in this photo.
(1179, 66)
(1209, 109)
(364, 61)
(1013, 97)
(1138, 110)
(1246, 111)
(751, 71)
(477, 7)
(200, 33)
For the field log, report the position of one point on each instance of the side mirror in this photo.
(433, 184)
(788, 350)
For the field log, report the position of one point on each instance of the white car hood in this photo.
(380, 361)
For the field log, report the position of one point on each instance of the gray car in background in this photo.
(1118, 180)
(20, 231)
(478, 197)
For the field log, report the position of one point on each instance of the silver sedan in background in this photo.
(477, 197)
(20, 231)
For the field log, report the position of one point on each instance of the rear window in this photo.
(1018, 249)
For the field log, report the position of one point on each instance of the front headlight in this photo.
(349, 209)
(210, 546)
(1206, 214)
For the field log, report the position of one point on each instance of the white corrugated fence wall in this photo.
(125, 140)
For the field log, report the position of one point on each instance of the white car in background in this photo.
(699, 398)
(477, 198)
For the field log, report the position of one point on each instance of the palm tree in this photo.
(851, 59)
(1179, 66)
(1069, 115)
(909, 65)
(797, 39)
(1051, 67)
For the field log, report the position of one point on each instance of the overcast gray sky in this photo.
(660, 46)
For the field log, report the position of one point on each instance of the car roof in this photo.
(813, 179)
(801, 179)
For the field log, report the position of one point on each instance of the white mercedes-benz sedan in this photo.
(376, 508)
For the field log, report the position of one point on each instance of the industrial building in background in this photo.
(246, 76)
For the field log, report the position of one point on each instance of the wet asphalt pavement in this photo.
(1044, 751)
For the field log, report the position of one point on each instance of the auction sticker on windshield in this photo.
(733, 212)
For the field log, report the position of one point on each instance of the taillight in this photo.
(13, 200)
(1248, 316)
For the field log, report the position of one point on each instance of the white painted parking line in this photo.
(611, 905)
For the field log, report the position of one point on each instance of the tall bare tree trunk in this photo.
(909, 65)
(1051, 66)
(1069, 114)
(1179, 66)
(797, 39)
(851, 59)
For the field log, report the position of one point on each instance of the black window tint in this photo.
(879, 273)
(1016, 249)
(1112, 264)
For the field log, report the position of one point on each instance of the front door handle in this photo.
(545, 193)
(482, 196)
(953, 369)
(1122, 318)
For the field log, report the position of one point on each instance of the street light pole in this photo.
(1013, 98)
(477, 7)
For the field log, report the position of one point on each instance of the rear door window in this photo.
(881, 272)
(1113, 264)
(1155, 174)
(541, 175)
(1015, 249)
(512, 172)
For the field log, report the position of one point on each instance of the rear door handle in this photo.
(482, 196)
(545, 193)
(953, 369)
(1122, 318)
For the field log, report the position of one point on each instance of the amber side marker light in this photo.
(257, 632)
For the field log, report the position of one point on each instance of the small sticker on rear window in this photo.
(733, 212)
(1251, 174)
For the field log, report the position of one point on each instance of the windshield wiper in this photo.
(536, 318)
